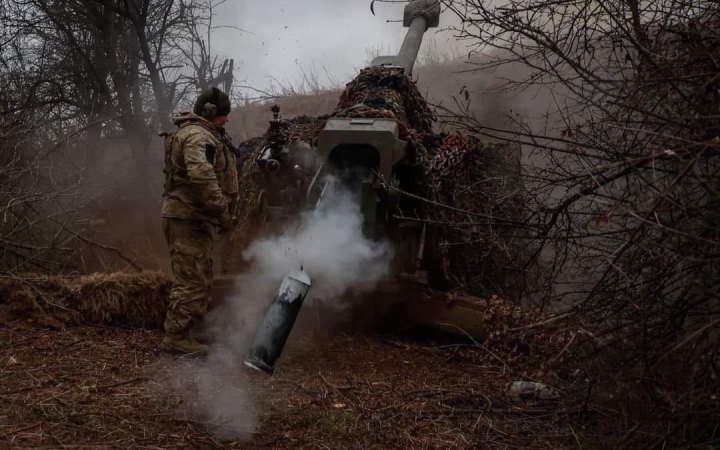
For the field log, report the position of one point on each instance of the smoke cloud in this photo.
(217, 393)
(331, 248)
(328, 243)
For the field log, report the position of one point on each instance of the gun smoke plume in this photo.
(217, 393)
(328, 242)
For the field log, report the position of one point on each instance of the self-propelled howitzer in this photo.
(370, 143)
(413, 182)
(379, 144)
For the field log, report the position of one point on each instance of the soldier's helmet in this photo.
(212, 103)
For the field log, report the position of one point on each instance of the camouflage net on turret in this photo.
(478, 184)
(384, 92)
(475, 231)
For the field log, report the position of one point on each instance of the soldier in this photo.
(201, 186)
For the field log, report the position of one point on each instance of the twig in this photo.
(108, 248)
(543, 323)
(685, 342)
(123, 383)
(20, 430)
(479, 345)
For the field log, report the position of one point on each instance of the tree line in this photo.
(622, 183)
(81, 80)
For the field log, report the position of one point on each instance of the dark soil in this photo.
(99, 387)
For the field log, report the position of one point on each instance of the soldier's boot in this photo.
(183, 344)
(201, 333)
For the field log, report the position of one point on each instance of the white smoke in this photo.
(328, 243)
(217, 394)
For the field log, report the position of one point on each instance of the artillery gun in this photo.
(369, 145)
(380, 144)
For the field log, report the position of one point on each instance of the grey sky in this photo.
(332, 38)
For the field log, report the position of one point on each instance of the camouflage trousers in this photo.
(190, 243)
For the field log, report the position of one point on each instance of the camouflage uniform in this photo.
(201, 186)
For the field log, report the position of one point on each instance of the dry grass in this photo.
(98, 387)
(138, 300)
(93, 386)
(86, 387)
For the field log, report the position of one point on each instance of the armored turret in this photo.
(382, 145)
(369, 127)
(409, 181)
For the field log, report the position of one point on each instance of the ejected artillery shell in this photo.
(278, 323)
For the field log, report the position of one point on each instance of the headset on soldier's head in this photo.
(212, 103)
(209, 110)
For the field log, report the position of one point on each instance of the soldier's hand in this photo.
(225, 223)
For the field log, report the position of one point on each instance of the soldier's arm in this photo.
(201, 173)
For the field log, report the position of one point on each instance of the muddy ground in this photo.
(100, 387)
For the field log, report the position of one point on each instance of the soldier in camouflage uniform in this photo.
(201, 186)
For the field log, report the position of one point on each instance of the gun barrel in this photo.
(419, 16)
(408, 53)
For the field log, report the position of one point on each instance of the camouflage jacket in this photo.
(201, 180)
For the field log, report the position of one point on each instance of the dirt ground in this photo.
(100, 387)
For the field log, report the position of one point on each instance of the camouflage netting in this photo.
(382, 92)
(472, 242)
(302, 128)
(249, 200)
(138, 300)
(251, 212)
(476, 239)
(481, 180)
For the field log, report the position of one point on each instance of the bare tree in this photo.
(91, 83)
(196, 47)
(624, 217)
